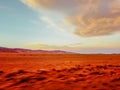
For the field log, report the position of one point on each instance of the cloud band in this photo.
(90, 17)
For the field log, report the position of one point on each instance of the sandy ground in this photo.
(59, 72)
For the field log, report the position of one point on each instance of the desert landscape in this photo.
(25, 71)
(59, 44)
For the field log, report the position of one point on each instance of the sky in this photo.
(83, 26)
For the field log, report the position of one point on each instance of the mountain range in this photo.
(21, 50)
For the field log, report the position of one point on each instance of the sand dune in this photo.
(59, 72)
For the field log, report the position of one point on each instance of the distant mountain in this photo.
(20, 50)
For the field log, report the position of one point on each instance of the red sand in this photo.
(59, 72)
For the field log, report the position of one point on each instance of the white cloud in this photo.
(90, 17)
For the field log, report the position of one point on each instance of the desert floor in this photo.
(59, 72)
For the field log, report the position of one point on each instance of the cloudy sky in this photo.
(85, 26)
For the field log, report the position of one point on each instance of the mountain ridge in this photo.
(22, 50)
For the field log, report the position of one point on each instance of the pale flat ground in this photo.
(59, 72)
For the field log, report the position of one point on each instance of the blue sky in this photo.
(30, 24)
(21, 25)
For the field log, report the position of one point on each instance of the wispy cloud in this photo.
(72, 47)
(52, 23)
(46, 46)
(90, 17)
